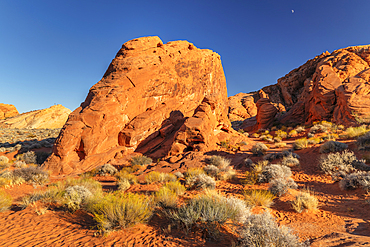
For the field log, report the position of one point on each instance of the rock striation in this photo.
(53, 117)
(7, 111)
(332, 86)
(156, 99)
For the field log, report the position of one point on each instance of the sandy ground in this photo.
(343, 217)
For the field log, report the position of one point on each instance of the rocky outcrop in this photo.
(7, 111)
(53, 117)
(156, 99)
(332, 86)
(242, 106)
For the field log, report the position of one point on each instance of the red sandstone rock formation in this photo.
(156, 99)
(7, 111)
(332, 86)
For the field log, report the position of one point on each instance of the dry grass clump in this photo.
(31, 174)
(305, 200)
(124, 175)
(262, 230)
(209, 212)
(300, 143)
(353, 132)
(176, 187)
(113, 211)
(356, 180)
(313, 140)
(165, 198)
(141, 160)
(219, 161)
(280, 186)
(161, 177)
(282, 134)
(5, 201)
(333, 146)
(259, 149)
(280, 144)
(191, 172)
(29, 157)
(219, 168)
(257, 197)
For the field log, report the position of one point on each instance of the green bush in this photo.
(119, 210)
(141, 160)
(5, 201)
(262, 230)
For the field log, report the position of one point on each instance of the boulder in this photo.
(242, 106)
(156, 99)
(332, 86)
(7, 110)
(53, 117)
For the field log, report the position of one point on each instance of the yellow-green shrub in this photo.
(5, 201)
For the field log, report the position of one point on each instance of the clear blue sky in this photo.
(52, 52)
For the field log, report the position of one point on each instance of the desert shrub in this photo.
(33, 197)
(363, 142)
(300, 129)
(339, 164)
(255, 135)
(30, 157)
(208, 212)
(333, 146)
(131, 169)
(356, 180)
(161, 177)
(273, 171)
(141, 160)
(262, 230)
(20, 164)
(305, 201)
(282, 134)
(176, 187)
(272, 156)
(32, 174)
(212, 170)
(123, 184)
(280, 186)
(124, 175)
(4, 182)
(220, 162)
(4, 160)
(165, 198)
(278, 139)
(259, 149)
(313, 140)
(353, 132)
(310, 135)
(119, 210)
(106, 169)
(280, 145)
(318, 128)
(300, 143)
(228, 175)
(75, 196)
(258, 198)
(5, 201)
(191, 172)
(201, 181)
(292, 133)
(290, 161)
(178, 175)
(248, 162)
(287, 153)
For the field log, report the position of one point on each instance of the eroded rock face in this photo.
(242, 106)
(156, 99)
(53, 117)
(7, 111)
(332, 86)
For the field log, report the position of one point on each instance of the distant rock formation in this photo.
(156, 99)
(332, 86)
(53, 117)
(7, 111)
